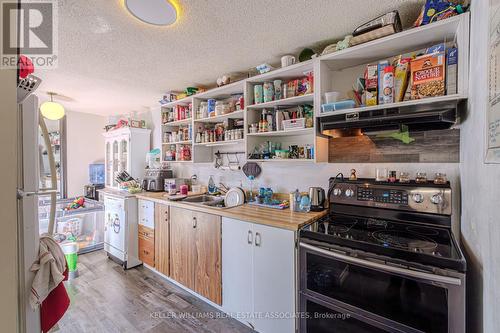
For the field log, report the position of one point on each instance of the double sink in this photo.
(207, 200)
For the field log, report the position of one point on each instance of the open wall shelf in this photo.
(335, 71)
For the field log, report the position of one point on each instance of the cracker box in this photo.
(428, 76)
(371, 84)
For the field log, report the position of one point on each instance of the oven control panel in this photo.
(398, 197)
(410, 197)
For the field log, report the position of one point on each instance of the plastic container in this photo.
(332, 97)
(70, 250)
(340, 105)
(292, 124)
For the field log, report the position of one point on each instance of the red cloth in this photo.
(54, 306)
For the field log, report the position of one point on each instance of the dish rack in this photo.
(27, 86)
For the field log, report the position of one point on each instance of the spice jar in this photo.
(421, 177)
(392, 176)
(440, 179)
(404, 177)
(254, 128)
(381, 175)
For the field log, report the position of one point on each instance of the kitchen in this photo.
(330, 183)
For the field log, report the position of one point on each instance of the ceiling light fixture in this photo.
(156, 12)
(52, 110)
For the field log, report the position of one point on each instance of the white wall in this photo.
(8, 207)
(286, 177)
(85, 145)
(480, 189)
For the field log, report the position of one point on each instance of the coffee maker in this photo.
(154, 179)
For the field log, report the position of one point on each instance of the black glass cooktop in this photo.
(406, 241)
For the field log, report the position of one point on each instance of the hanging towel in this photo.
(48, 270)
(54, 306)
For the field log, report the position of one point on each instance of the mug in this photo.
(287, 60)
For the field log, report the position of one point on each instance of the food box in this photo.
(401, 79)
(452, 70)
(371, 84)
(380, 71)
(428, 76)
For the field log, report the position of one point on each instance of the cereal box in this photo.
(428, 76)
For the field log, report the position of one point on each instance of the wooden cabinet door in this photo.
(237, 270)
(182, 249)
(274, 277)
(207, 271)
(146, 245)
(162, 241)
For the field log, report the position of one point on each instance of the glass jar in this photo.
(393, 176)
(203, 110)
(404, 177)
(254, 128)
(421, 177)
(381, 175)
(440, 179)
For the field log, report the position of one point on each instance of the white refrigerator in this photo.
(29, 190)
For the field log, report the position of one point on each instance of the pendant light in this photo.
(52, 110)
(155, 12)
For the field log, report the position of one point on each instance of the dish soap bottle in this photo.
(211, 185)
(296, 196)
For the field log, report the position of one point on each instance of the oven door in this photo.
(396, 297)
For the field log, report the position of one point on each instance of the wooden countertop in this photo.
(116, 192)
(285, 219)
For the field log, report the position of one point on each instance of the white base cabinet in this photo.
(258, 275)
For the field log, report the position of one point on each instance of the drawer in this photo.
(146, 213)
(146, 233)
(147, 251)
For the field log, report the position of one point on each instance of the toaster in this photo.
(154, 179)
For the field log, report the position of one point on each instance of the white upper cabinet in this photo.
(126, 150)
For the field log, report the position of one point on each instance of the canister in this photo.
(268, 92)
(257, 93)
(277, 89)
(211, 106)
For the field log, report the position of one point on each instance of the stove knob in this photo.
(349, 193)
(337, 192)
(437, 199)
(418, 197)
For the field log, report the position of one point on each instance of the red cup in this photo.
(184, 189)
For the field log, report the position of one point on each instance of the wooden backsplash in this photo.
(428, 147)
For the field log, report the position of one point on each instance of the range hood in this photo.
(391, 119)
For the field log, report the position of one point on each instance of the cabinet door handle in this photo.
(195, 222)
(250, 237)
(257, 239)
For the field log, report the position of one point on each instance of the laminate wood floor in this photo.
(105, 298)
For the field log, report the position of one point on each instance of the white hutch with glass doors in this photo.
(126, 150)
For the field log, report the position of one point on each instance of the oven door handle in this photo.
(392, 269)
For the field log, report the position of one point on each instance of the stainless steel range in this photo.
(383, 260)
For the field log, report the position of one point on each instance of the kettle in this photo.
(317, 197)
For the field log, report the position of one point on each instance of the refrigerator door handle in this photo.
(21, 194)
(53, 175)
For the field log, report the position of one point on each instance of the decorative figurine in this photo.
(353, 175)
